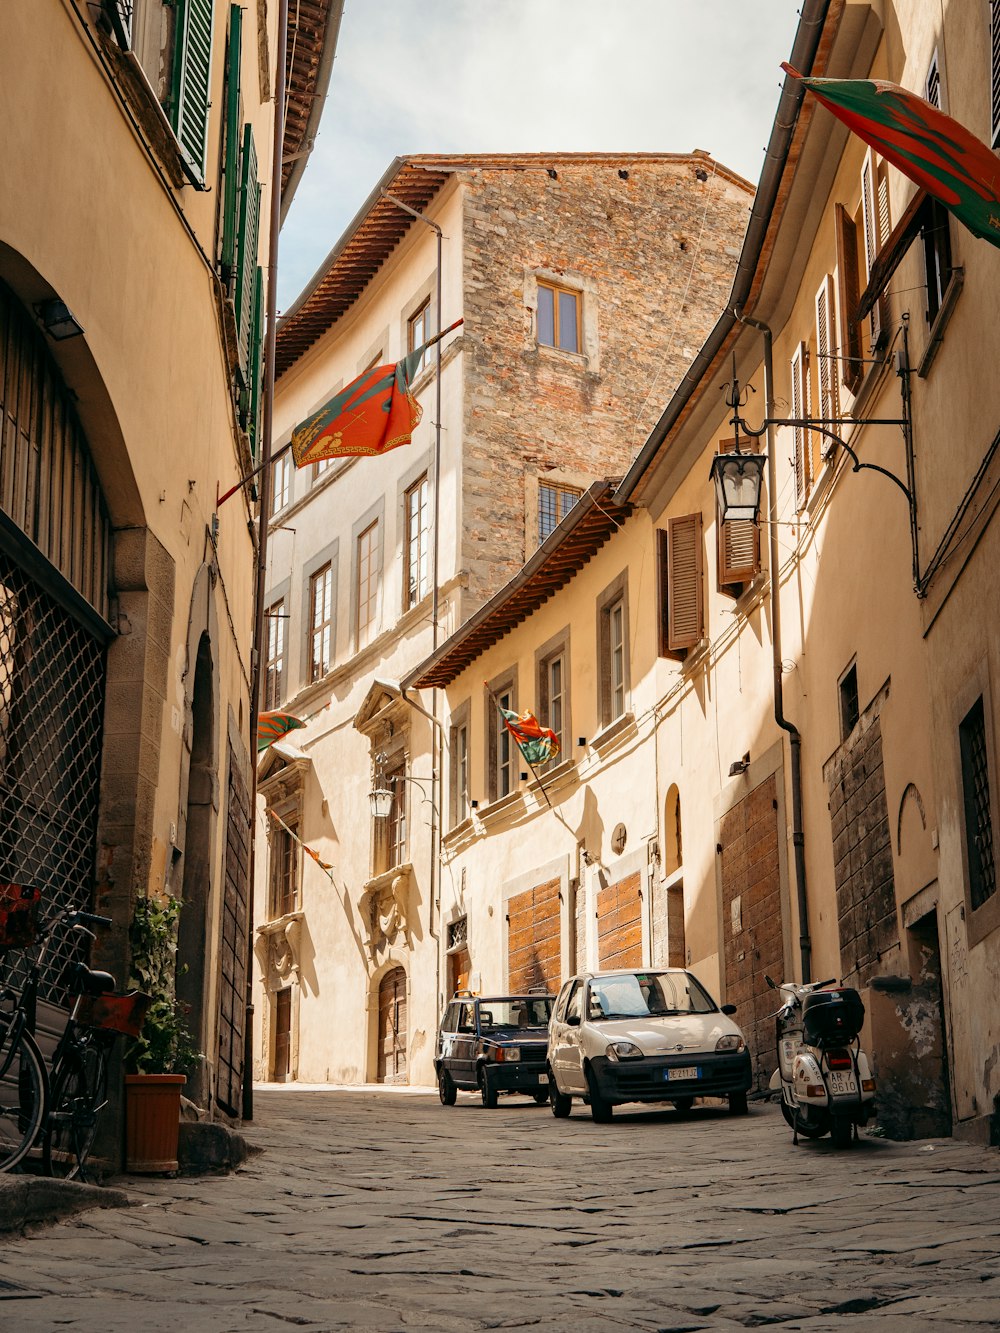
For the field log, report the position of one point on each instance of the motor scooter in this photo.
(823, 1074)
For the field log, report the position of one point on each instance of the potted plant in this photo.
(160, 1058)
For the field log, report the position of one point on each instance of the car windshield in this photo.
(646, 994)
(527, 1011)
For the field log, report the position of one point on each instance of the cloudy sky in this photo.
(419, 76)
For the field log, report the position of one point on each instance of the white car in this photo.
(649, 1035)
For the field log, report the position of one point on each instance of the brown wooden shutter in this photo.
(875, 214)
(737, 543)
(685, 575)
(851, 368)
(663, 597)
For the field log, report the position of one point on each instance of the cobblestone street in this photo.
(386, 1211)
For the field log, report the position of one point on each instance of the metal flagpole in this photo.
(538, 777)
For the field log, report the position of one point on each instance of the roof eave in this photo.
(330, 39)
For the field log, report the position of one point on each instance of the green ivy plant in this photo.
(165, 1045)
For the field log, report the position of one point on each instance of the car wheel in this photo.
(489, 1093)
(558, 1101)
(601, 1109)
(683, 1104)
(446, 1088)
(738, 1103)
(541, 1096)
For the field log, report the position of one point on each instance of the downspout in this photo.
(267, 427)
(794, 738)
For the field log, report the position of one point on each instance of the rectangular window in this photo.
(995, 70)
(415, 554)
(282, 482)
(321, 623)
(849, 707)
(460, 772)
(936, 236)
(418, 330)
(612, 651)
(552, 710)
(505, 748)
(558, 323)
(616, 656)
(875, 225)
(275, 672)
(848, 294)
(973, 744)
(554, 503)
(682, 595)
(284, 870)
(737, 545)
(390, 833)
(322, 466)
(799, 401)
(367, 589)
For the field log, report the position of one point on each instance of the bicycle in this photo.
(62, 1110)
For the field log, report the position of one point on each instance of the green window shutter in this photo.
(246, 263)
(256, 366)
(231, 182)
(192, 68)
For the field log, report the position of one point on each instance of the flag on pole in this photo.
(375, 413)
(538, 744)
(272, 726)
(931, 148)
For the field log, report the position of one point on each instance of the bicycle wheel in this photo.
(79, 1094)
(23, 1094)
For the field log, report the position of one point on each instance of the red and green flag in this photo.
(375, 413)
(272, 726)
(931, 148)
(538, 744)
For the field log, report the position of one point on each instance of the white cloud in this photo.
(529, 75)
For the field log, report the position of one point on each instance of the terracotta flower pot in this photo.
(152, 1122)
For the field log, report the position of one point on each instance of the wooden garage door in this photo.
(619, 924)
(533, 938)
(751, 918)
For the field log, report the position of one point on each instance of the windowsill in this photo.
(941, 321)
(571, 360)
(385, 879)
(501, 806)
(697, 656)
(458, 831)
(275, 925)
(614, 733)
(548, 776)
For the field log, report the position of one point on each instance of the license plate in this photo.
(543, 1078)
(686, 1074)
(842, 1084)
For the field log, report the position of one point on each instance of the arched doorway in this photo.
(392, 1027)
(193, 929)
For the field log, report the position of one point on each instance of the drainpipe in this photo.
(266, 430)
(794, 738)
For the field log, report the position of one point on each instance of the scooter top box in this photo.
(832, 1015)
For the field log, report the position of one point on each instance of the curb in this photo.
(36, 1201)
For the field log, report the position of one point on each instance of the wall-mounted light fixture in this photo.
(58, 321)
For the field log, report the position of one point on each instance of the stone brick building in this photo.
(585, 282)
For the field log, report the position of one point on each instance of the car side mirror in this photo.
(573, 1020)
(729, 1008)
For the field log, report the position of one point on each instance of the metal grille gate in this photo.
(51, 708)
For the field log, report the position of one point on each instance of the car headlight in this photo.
(624, 1050)
(730, 1042)
(508, 1053)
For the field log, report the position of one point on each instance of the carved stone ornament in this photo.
(277, 949)
(383, 906)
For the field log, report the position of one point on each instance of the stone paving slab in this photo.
(27, 1201)
(375, 1211)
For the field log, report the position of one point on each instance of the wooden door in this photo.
(392, 1027)
(282, 1034)
(751, 918)
(233, 951)
(459, 967)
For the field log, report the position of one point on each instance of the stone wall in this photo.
(652, 249)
